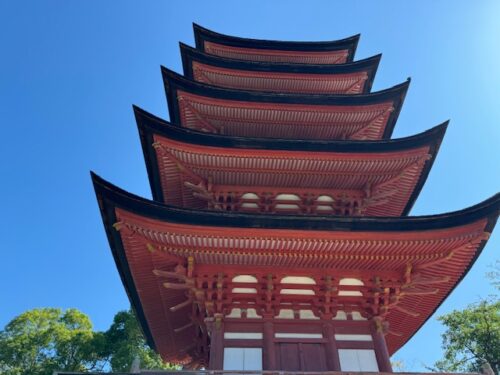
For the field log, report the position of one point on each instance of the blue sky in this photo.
(70, 72)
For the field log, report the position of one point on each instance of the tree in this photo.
(398, 365)
(126, 342)
(40, 341)
(494, 274)
(472, 337)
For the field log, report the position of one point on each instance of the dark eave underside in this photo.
(162, 127)
(202, 34)
(155, 210)
(174, 82)
(190, 54)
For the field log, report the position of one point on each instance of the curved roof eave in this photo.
(108, 216)
(120, 198)
(190, 54)
(149, 124)
(173, 81)
(110, 197)
(202, 34)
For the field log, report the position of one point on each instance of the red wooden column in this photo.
(269, 349)
(216, 329)
(332, 352)
(381, 352)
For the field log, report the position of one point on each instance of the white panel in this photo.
(243, 335)
(235, 313)
(358, 360)
(324, 198)
(357, 316)
(303, 292)
(352, 293)
(286, 314)
(287, 197)
(324, 208)
(250, 196)
(350, 281)
(342, 337)
(348, 360)
(307, 314)
(244, 279)
(249, 205)
(284, 206)
(367, 360)
(252, 359)
(299, 335)
(341, 315)
(233, 359)
(252, 313)
(298, 280)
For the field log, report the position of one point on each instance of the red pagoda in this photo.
(278, 235)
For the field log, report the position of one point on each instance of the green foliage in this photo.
(494, 274)
(126, 342)
(41, 341)
(472, 337)
(398, 365)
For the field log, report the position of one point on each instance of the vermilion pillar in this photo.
(269, 350)
(381, 352)
(332, 353)
(216, 359)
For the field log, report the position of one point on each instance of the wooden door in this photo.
(288, 357)
(301, 357)
(313, 357)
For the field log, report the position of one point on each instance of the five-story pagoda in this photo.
(278, 237)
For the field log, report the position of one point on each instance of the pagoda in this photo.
(278, 237)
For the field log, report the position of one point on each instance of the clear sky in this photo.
(70, 72)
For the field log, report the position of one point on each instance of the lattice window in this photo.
(288, 203)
